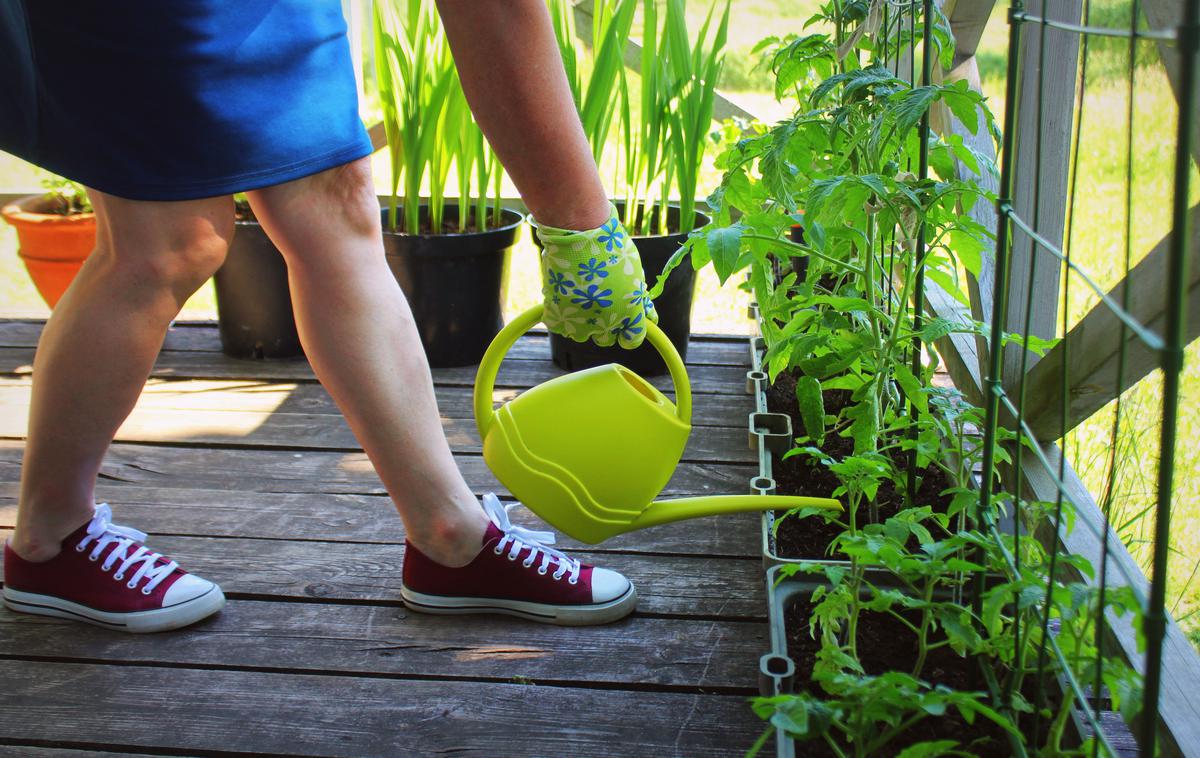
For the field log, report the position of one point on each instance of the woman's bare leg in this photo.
(358, 333)
(99, 346)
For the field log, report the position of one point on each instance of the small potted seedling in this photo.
(56, 232)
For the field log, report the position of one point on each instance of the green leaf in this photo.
(969, 250)
(928, 749)
(948, 284)
(725, 245)
(911, 386)
(812, 407)
(964, 104)
(908, 109)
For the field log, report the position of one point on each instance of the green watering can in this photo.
(588, 452)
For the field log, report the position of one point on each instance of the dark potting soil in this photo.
(884, 644)
(447, 227)
(800, 475)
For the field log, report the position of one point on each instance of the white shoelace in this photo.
(103, 533)
(519, 537)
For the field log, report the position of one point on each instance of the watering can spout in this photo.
(678, 509)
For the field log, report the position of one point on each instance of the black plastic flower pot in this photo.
(674, 306)
(254, 305)
(455, 283)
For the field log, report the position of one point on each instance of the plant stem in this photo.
(857, 573)
(923, 635)
(846, 267)
(894, 732)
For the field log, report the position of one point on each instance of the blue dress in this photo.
(178, 99)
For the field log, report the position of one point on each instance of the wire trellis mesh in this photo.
(1006, 401)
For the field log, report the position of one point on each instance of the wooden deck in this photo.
(246, 473)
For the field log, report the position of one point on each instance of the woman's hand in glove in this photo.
(593, 284)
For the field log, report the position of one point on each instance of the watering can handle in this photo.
(489, 367)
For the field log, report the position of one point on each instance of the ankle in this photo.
(36, 542)
(34, 550)
(453, 542)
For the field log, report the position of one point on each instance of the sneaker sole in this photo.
(562, 615)
(138, 622)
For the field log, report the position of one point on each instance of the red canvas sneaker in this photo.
(518, 574)
(107, 577)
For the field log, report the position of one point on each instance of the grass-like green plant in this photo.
(595, 83)
(664, 116)
(695, 68)
(429, 127)
(664, 149)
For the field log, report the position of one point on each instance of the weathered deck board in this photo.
(246, 472)
(27, 751)
(190, 418)
(355, 639)
(256, 712)
(201, 336)
(513, 373)
(343, 572)
(368, 518)
(317, 471)
(309, 397)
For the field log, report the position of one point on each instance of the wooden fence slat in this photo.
(1045, 180)
(358, 716)
(983, 213)
(968, 18)
(356, 639)
(1168, 14)
(320, 472)
(958, 350)
(1092, 346)
(336, 572)
(367, 518)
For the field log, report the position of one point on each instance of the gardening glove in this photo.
(593, 285)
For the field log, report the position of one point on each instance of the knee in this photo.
(179, 252)
(349, 193)
(190, 256)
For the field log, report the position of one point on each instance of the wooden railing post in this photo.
(1045, 111)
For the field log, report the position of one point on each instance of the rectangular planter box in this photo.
(777, 671)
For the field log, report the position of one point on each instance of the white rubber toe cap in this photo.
(607, 585)
(187, 587)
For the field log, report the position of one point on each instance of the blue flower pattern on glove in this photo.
(590, 270)
(628, 328)
(611, 236)
(559, 282)
(638, 296)
(593, 284)
(586, 299)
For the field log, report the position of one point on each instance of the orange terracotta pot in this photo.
(52, 246)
